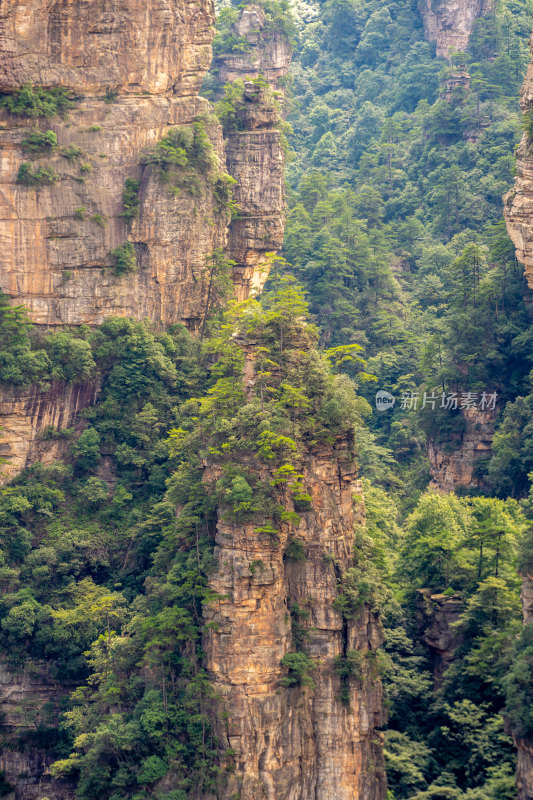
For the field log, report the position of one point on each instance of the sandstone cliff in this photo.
(293, 743)
(449, 23)
(31, 702)
(135, 70)
(254, 153)
(454, 464)
(26, 414)
(147, 60)
(435, 616)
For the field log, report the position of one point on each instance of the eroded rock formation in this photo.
(436, 615)
(57, 240)
(25, 416)
(269, 52)
(455, 462)
(449, 23)
(294, 743)
(31, 702)
(136, 70)
(254, 153)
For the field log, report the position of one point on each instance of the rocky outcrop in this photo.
(435, 616)
(130, 46)
(455, 463)
(135, 70)
(254, 152)
(449, 23)
(30, 420)
(293, 743)
(518, 203)
(58, 239)
(254, 157)
(269, 51)
(31, 701)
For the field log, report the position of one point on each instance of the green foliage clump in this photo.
(26, 357)
(300, 667)
(125, 258)
(187, 162)
(43, 176)
(72, 152)
(130, 198)
(518, 685)
(39, 143)
(99, 219)
(34, 101)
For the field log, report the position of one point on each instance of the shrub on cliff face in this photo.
(34, 101)
(300, 667)
(130, 198)
(39, 143)
(184, 156)
(43, 176)
(125, 258)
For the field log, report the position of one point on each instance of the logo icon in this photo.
(384, 400)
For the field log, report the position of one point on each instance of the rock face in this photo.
(25, 415)
(518, 203)
(435, 615)
(31, 701)
(455, 465)
(269, 52)
(58, 239)
(254, 157)
(92, 46)
(294, 743)
(254, 153)
(449, 23)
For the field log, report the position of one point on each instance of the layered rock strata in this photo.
(455, 463)
(134, 70)
(31, 701)
(254, 152)
(269, 51)
(31, 418)
(293, 743)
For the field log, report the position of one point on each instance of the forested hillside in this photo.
(234, 549)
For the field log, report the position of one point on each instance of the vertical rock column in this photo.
(254, 152)
(294, 743)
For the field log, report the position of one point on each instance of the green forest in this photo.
(396, 274)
